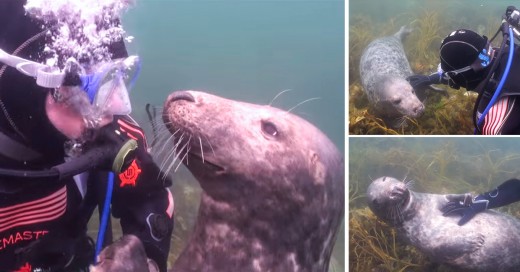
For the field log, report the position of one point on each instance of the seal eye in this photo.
(397, 101)
(270, 129)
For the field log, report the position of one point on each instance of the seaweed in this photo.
(426, 34)
(374, 246)
(360, 35)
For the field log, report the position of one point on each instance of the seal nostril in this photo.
(181, 95)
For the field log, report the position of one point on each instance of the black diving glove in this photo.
(466, 205)
(506, 193)
(423, 81)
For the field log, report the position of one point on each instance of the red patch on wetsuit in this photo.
(130, 176)
(24, 268)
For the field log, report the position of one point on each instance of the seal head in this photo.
(387, 198)
(124, 255)
(272, 185)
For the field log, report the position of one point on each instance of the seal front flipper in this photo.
(456, 246)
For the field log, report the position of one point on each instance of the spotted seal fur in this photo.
(488, 242)
(124, 255)
(383, 68)
(272, 186)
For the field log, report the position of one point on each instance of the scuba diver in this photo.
(467, 60)
(60, 157)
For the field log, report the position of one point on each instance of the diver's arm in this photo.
(423, 81)
(143, 202)
(146, 216)
(506, 193)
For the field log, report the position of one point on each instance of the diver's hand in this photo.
(423, 81)
(465, 205)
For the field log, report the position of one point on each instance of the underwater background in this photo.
(243, 50)
(431, 20)
(442, 165)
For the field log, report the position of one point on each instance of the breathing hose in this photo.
(502, 80)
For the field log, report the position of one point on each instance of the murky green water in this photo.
(243, 50)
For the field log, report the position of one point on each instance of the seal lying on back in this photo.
(272, 186)
(489, 242)
(384, 68)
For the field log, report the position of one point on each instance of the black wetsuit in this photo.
(43, 222)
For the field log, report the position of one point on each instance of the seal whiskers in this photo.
(209, 143)
(304, 101)
(201, 151)
(185, 156)
(400, 121)
(276, 96)
(178, 152)
(172, 155)
(410, 184)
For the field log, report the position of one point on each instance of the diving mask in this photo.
(105, 89)
(98, 93)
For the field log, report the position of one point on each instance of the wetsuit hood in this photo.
(22, 102)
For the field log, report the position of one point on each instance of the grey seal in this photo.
(383, 69)
(124, 255)
(272, 185)
(488, 242)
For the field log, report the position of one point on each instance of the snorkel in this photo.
(106, 88)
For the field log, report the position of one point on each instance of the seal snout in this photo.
(418, 110)
(181, 95)
(398, 191)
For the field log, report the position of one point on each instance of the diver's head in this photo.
(90, 99)
(65, 114)
(465, 55)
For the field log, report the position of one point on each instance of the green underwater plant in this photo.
(360, 35)
(374, 246)
(423, 42)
